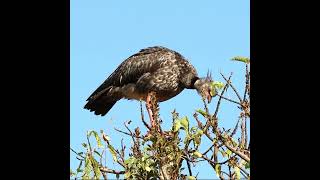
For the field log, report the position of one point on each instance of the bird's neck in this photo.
(191, 85)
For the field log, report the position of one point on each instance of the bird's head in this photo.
(204, 87)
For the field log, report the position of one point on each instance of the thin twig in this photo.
(142, 117)
(244, 171)
(128, 133)
(243, 156)
(247, 83)
(223, 162)
(123, 147)
(229, 100)
(77, 153)
(189, 168)
(131, 134)
(243, 131)
(234, 89)
(208, 150)
(104, 169)
(219, 101)
(213, 164)
(235, 129)
(104, 174)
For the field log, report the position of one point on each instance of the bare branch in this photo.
(243, 156)
(77, 153)
(234, 89)
(235, 129)
(247, 82)
(104, 174)
(142, 117)
(208, 150)
(104, 169)
(230, 100)
(243, 131)
(223, 91)
(128, 133)
(189, 168)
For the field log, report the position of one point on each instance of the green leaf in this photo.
(176, 125)
(148, 168)
(217, 168)
(203, 113)
(241, 59)
(84, 145)
(214, 141)
(185, 123)
(197, 154)
(113, 153)
(95, 167)
(129, 161)
(87, 168)
(191, 178)
(237, 171)
(199, 132)
(217, 84)
(193, 129)
(197, 140)
(247, 165)
(97, 138)
(127, 175)
(228, 152)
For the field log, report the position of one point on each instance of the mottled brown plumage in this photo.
(155, 69)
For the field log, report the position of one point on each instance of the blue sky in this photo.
(104, 33)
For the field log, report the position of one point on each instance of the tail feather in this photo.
(100, 106)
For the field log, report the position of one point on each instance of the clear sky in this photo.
(104, 33)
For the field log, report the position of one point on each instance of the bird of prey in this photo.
(154, 69)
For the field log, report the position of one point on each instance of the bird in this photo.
(156, 69)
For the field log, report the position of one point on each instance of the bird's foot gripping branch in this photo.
(173, 154)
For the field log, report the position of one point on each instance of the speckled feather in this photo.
(156, 69)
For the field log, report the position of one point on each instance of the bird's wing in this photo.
(163, 79)
(130, 70)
